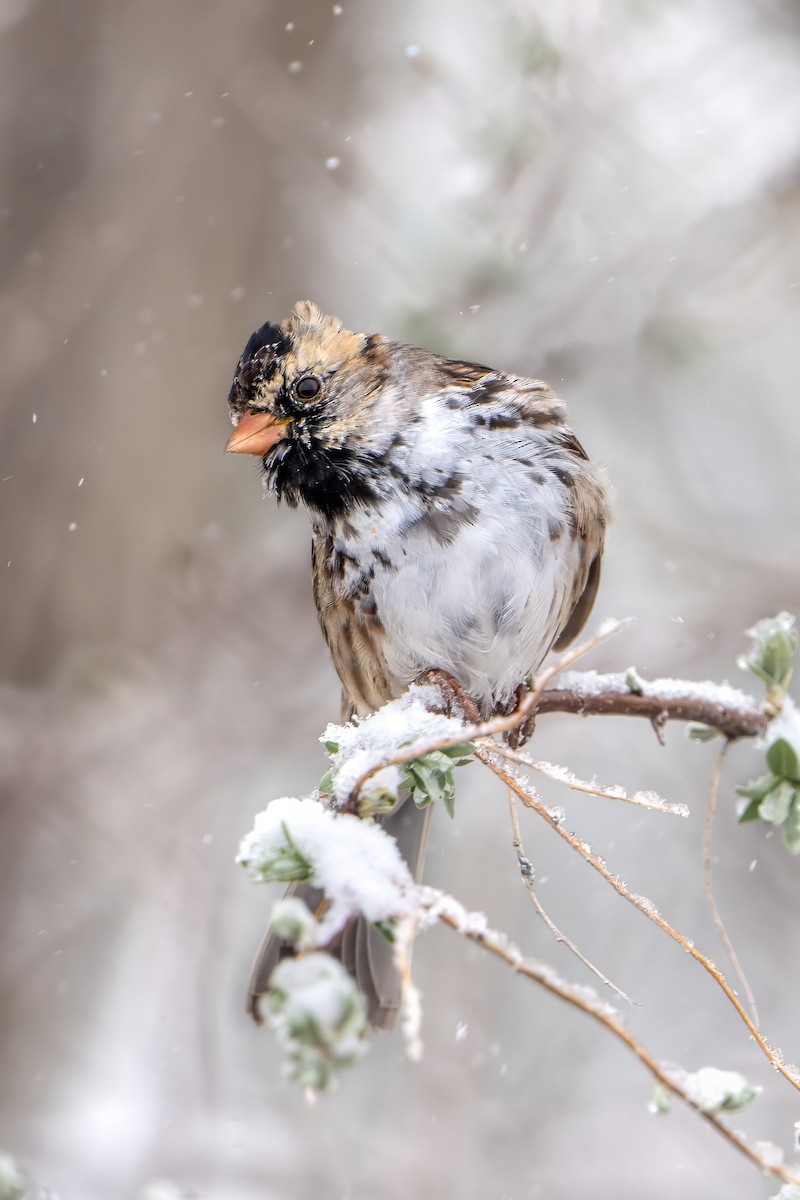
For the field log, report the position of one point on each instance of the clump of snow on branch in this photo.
(293, 921)
(358, 747)
(318, 1016)
(355, 863)
(712, 1090)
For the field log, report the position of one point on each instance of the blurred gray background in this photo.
(605, 195)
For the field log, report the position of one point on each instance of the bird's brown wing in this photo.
(584, 605)
(589, 518)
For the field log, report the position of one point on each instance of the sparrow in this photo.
(457, 525)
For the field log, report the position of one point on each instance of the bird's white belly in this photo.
(486, 617)
(485, 607)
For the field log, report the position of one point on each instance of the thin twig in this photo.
(708, 826)
(560, 775)
(526, 871)
(410, 1002)
(474, 927)
(491, 759)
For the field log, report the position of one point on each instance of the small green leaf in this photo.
(778, 656)
(634, 681)
(774, 808)
(326, 783)
(462, 752)
(791, 826)
(287, 864)
(750, 811)
(661, 1102)
(331, 747)
(771, 655)
(702, 733)
(782, 760)
(379, 804)
(387, 929)
(720, 1091)
(431, 778)
(758, 789)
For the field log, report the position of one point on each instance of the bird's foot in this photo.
(521, 733)
(455, 701)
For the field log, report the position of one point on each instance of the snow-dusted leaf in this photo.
(294, 922)
(791, 826)
(771, 655)
(702, 733)
(713, 1090)
(277, 860)
(748, 811)
(774, 808)
(366, 743)
(430, 778)
(319, 1018)
(757, 789)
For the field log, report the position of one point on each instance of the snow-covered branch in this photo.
(731, 712)
(407, 752)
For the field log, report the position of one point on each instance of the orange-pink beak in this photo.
(256, 433)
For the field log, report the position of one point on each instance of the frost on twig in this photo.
(642, 799)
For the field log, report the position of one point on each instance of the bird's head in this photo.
(298, 401)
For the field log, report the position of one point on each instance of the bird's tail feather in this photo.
(361, 948)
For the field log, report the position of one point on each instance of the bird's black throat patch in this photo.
(332, 481)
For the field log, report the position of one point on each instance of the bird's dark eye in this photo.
(307, 387)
